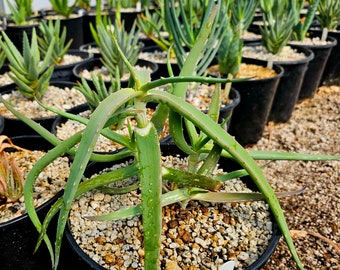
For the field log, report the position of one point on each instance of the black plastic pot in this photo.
(167, 149)
(65, 72)
(97, 63)
(331, 74)
(15, 127)
(251, 115)
(18, 236)
(316, 67)
(288, 90)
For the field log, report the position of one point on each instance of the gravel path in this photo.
(314, 215)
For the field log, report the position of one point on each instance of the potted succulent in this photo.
(279, 18)
(31, 74)
(21, 19)
(63, 57)
(144, 148)
(328, 16)
(15, 225)
(242, 15)
(321, 48)
(69, 17)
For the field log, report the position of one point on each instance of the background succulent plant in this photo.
(328, 15)
(51, 30)
(279, 18)
(29, 71)
(104, 35)
(302, 24)
(63, 7)
(21, 10)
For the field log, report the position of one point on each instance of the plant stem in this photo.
(324, 34)
(227, 89)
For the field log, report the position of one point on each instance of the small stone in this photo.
(243, 256)
(171, 265)
(98, 196)
(186, 237)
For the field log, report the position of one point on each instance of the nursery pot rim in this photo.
(279, 70)
(83, 54)
(333, 42)
(309, 55)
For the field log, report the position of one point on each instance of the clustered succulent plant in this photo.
(279, 18)
(21, 11)
(303, 24)
(32, 68)
(52, 32)
(104, 33)
(63, 7)
(328, 15)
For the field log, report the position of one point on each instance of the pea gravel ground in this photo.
(313, 216)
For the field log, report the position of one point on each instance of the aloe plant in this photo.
(63, 7)
(328, 15)
(21, 11)
(185, 23)
(30, 72)
(11, 177)
(104, 34)
(205, 145)
(2, 57)
(279, 18)
(301, 28)
(242, 14)
(51, 30)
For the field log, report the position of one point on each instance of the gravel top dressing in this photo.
(201, 236)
